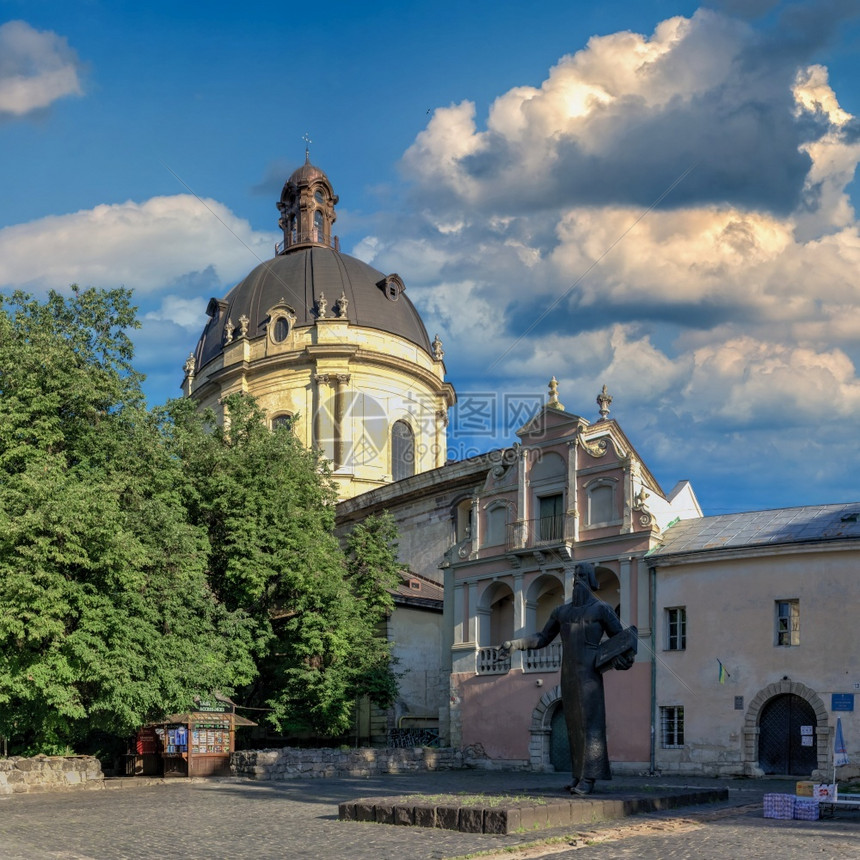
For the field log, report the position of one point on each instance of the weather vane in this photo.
(307, 139)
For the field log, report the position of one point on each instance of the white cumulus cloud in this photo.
(37, 67)
(147, 246)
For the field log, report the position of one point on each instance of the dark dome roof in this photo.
(306, 174)
(298, 278)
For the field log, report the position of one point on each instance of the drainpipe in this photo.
(653, 576)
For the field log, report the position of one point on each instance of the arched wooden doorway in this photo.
(788, 741)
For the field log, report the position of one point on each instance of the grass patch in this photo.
(485, 801)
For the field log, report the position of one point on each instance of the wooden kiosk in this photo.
(197, 743)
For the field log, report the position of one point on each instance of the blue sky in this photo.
(658, 196)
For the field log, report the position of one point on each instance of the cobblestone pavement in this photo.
(734, 834)
(243, 820)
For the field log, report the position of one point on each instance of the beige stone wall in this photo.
(730, 606)
(365, 378)
(19, 775)
(290, 763)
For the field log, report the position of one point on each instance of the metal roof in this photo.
(298, 278)
(811, 523)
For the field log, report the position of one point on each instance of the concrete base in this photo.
(507, 814)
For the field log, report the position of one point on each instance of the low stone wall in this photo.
(49, 773)
(291, 763)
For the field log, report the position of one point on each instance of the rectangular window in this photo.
(676, 629)
(787, 622)
(551, 524)
(672, 727)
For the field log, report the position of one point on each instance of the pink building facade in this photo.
(568, 491)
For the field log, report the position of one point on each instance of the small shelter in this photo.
(193, 743)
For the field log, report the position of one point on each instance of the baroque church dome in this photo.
(330, 344)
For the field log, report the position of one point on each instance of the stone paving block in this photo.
(448, 817)
(471, 820)
(496, 821)
(385, 813)
(365, 810)
(404, 815)
(424, 816)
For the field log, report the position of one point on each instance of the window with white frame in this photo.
(672, 727)
(787, 622)
(676, 628)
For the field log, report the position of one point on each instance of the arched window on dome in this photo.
(318, 225)
(402, 451)
(283, 419)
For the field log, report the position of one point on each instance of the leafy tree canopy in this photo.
(106, 616)
(148, 556)
(269, 508)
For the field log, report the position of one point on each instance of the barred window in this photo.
(672, 727)
(676, 628)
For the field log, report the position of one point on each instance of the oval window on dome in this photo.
(280, 330)
(318, 196)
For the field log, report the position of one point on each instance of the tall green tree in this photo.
(268, 507)
(107, 618)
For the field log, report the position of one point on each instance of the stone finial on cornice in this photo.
(553, 402)
(603, 401)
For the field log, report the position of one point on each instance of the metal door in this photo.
(787, 741)
(559, 744)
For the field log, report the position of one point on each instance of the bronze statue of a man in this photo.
(582, 623)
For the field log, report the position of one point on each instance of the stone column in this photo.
(643, 598)
(519, 607)
(626, 592)
(473, 612)
(340, 390)
(321, 379)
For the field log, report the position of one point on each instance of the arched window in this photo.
(402, 451)
(318, 226)
(282, 420)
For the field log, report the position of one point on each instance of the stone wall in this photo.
(49, 773)
(291, 763)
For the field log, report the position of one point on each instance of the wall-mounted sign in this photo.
(842, 702)
(213, 706)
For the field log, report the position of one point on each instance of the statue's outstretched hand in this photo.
(504, 650)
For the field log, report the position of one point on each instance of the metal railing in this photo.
(528, 533)
(310, 237)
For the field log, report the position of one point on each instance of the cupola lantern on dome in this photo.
(307, 209)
